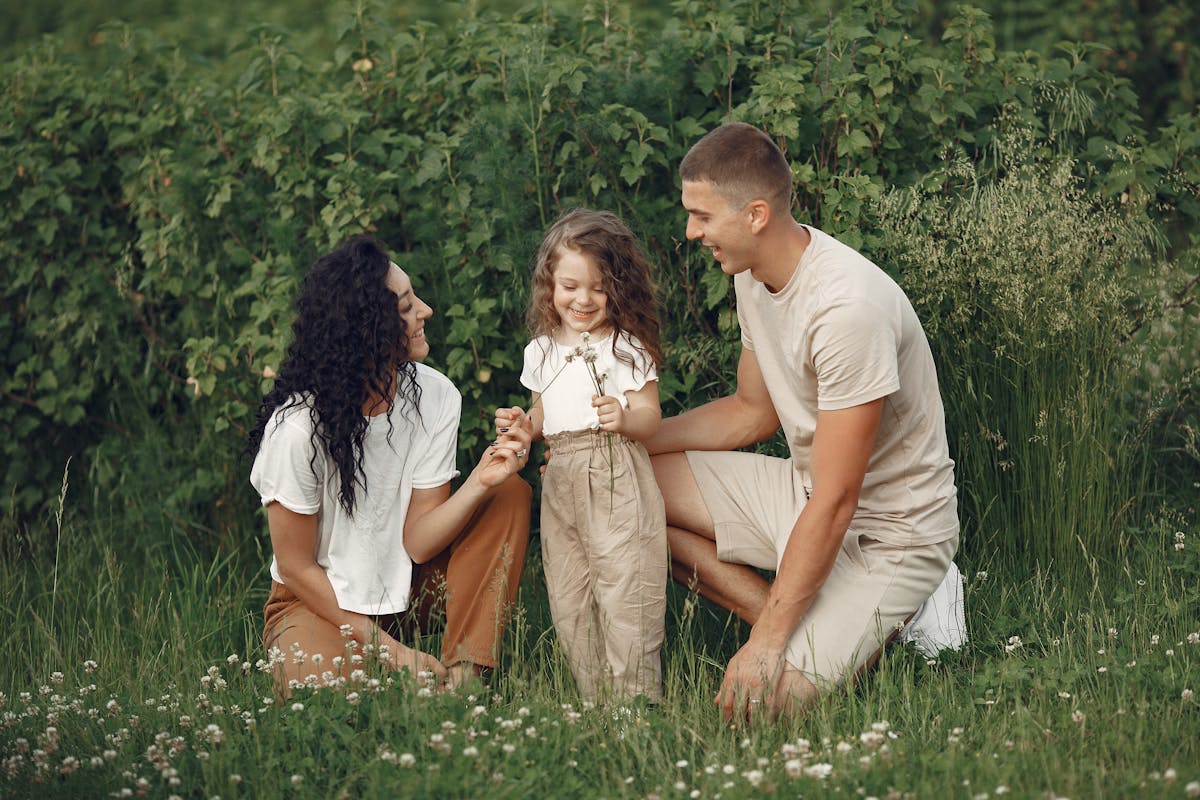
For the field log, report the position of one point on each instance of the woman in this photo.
(354, 452)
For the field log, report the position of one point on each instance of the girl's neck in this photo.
(565, 336)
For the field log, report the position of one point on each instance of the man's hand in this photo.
(751, 685)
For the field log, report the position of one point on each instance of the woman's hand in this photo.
(510, 452)
(425, 669)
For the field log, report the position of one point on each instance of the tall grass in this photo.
(147, 685)
(1030, 289)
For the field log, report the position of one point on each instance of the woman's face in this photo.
(413, 311)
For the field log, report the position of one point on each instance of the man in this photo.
(861, 522)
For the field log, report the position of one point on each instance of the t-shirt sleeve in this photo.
(437, 448)
(283, 470)
(533, 372)
(643, 371)
(854, 353)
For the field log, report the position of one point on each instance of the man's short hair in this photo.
(743, 164)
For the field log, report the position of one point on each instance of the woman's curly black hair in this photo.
(349, 345)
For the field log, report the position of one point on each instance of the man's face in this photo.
(723, 229)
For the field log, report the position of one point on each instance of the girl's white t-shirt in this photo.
(364, 555)
(567, 387)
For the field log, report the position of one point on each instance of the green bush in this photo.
(159, 207)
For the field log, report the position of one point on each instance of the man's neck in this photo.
(781, 249)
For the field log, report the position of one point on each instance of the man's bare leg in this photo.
(693, 546)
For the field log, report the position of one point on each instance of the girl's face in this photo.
(413, 311)
(579, 297)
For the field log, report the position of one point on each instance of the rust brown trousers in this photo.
(468, 588)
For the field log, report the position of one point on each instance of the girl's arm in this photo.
(436, 517)
(638, 422)
(294, 541)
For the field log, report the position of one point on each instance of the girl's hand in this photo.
(508, 418)
(610, 412)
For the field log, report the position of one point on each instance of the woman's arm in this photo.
(435, 516)
(294, 540)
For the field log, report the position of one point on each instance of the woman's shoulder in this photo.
(290, 425)
(432, 381)
(296, 411)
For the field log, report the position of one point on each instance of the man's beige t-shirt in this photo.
(842, 333)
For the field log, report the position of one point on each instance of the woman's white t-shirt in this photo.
(567, 387)
(364, 555)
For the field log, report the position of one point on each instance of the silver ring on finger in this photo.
(521, 453)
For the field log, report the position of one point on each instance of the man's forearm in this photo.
(723, 424)
(807, 561)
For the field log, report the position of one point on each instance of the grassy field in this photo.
(131, 675)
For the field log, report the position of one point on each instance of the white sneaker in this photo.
(939, 623)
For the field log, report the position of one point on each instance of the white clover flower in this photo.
(470, 751)
(728, 769)
(681, 764)
(819, 771)
(1112, 633)
(1078, 717)
(407, 760)
(794, 767)
(1193, 638)
(754, 777)
(871, 739)
(1192, 789)
(90, 666)
(1154, 639)
(297, 780)
(1186, 695)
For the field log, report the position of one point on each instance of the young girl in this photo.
(592, 370)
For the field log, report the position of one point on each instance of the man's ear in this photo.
(758, 214)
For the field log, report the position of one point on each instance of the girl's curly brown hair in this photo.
(632, 306)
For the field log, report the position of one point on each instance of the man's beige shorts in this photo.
(873, 588)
